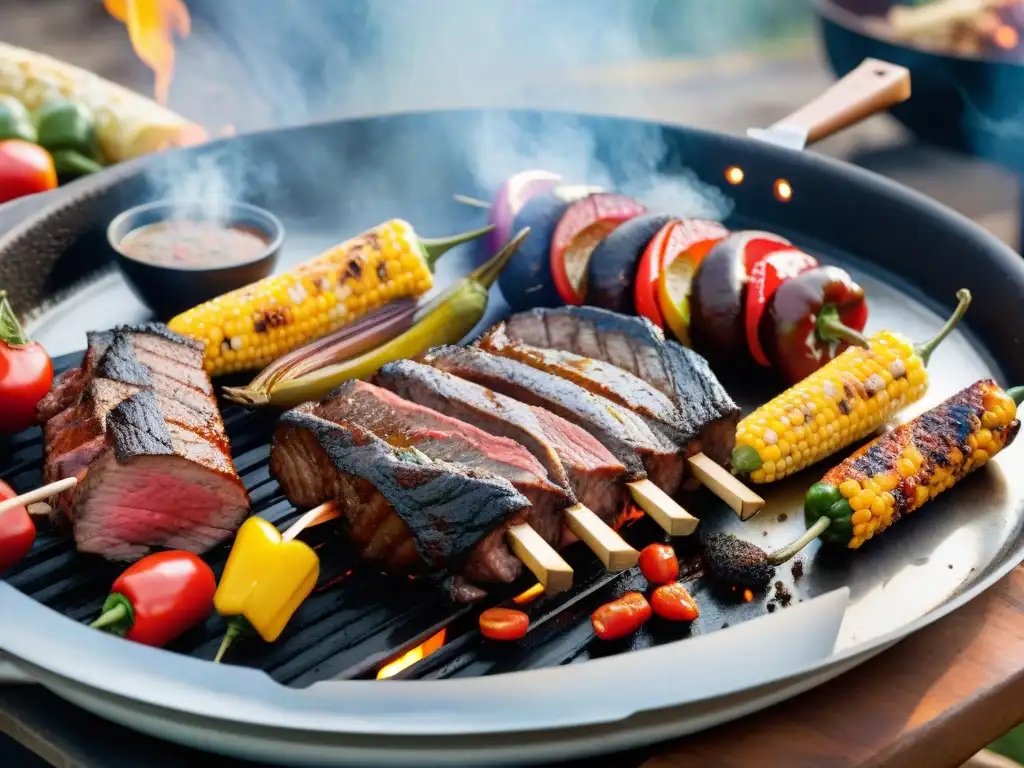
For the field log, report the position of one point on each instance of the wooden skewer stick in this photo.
(466, 200)
(326, 511)
(543, 561)
(662, 508)
(610, 548)
(39, 494)
(725, 486)
(926, 18)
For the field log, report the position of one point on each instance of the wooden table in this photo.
(931, 702)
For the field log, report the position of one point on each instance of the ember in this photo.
(529, 595)
(409, 658)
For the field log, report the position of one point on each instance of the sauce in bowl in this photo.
(193, 244)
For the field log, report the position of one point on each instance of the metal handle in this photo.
(10, 674)
(870, 88)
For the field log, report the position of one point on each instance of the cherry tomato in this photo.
(674, 603)
(17, 531)
(658, 564)
(26, 373)
(503, 624)
(621, 618)
(765, 278)
(25, 169)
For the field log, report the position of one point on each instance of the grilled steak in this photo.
(403, 511)
(403, 424)
(596, 376)
(569, 453)
(638, 346)
(154, 484)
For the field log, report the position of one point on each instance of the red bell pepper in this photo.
(17, 531)
(765, 278)
(811, 319)
(26, 372)
(159, 598)
(25, 169)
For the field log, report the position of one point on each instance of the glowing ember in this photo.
(747, 595)
(406, 660)
(1006, 37)
(734, 175)
(632, 514)
(783, 191)
(529, 595)
(152, 25)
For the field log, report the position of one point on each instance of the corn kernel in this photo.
(849, 488)
(878, 506)
(861, 516)
(862, 501)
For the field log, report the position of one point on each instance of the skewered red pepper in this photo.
(658, 564)
(811, 319)
(674, 603)
(503, 624)
(765, 279)
(17, 531)
(621, 618)
(26, 372)
(159, 598)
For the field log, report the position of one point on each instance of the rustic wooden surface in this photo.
(931, 702)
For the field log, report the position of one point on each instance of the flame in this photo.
(409, 658)
(152, 25)
(632, 514)
(783, 190)
(529, 595)
(1006, 37)
(734, 174)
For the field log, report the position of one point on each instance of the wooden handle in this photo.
(544, 562)
(326, 511)
(662, 508)
(720, 482)
(872, 87)
(610, 548)
(39, 494)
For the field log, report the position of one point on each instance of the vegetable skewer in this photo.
(887, 479)
(839, 404)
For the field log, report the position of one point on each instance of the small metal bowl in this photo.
(169, 290)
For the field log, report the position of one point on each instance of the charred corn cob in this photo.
(128, 124)
(890, 477)
(841, 403)
(248, 328)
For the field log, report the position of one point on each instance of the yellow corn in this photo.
(249, 328)
(841, 403)
(908, 466)
(128, 124)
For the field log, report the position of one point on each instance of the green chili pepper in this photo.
(70, 164)
(15, 120)
(68, 126)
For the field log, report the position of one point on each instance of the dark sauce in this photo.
(193, 244)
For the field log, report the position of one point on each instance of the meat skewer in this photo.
(39, 494)
(654, 466)
(411, 514)
(707, 413)
(406, 424)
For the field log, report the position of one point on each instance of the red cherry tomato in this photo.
(503, 624)
(765, 278)
(17, 531)
(26, 373)
(25, 169)
(674, 603)
(658, 564)
(621, 618)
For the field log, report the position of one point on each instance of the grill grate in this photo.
(358, 619)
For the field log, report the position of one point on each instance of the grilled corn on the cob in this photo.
(248, 328)
(842, 402)
(128, 124)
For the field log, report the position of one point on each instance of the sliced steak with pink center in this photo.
(402, 510)
(569, 454)
(626, 435)
(404, 424)
(155, 485)
(636, 345)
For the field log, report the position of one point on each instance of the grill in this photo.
(358, 620)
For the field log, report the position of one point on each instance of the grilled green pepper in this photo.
(824, 501)
(68, 131)
(15, 120)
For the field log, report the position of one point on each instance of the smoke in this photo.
(257, 64)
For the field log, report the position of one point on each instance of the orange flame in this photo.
(529, 595)
(409, 658)
(1006, 37)
(151, 28)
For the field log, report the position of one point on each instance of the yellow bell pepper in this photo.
(265, 581)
